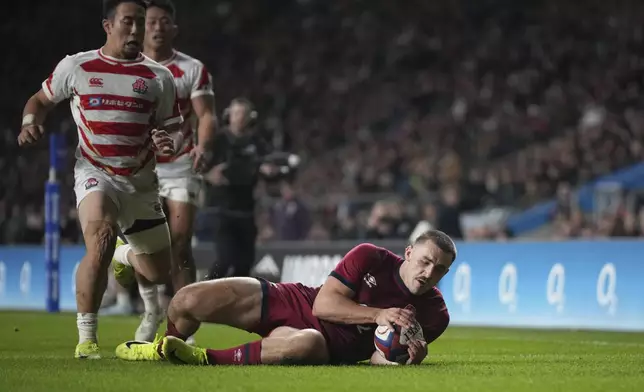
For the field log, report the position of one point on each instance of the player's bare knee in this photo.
(184, 302)
(306, 347)
(160, 273)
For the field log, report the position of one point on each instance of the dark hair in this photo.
(109, 6)
(245, 102)
(166, 5)
(439, 239)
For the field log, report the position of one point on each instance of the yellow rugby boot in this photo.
(179, 352)
(87, 350)
(124, 274)
(135, 350)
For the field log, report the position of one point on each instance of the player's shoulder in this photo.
(187, 60)
(431, 306)
(435, 294)
(159, 69)
(434, 299)
(375, 253)
(77, 59)
(191, 67)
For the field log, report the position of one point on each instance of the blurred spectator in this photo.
(479, 104)
(290, 218)
(449, 213)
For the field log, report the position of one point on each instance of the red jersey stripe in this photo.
(48, 84)
(204, 79)
(176, 71)
(100, 66)
(116, 150)
(115, 102)
(115, 128)
(123, 129)
(119, 171)
(86, 140)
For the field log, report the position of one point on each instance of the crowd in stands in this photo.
(404, 112)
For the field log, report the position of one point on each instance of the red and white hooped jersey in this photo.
(192, 80)
(115, 103)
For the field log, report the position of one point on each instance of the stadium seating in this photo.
(400, 121)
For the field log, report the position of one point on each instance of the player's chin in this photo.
(152, 44)
(420, 287)
(132, 49)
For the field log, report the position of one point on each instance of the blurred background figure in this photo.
(238, 157)
(290, 217)
(493, 106)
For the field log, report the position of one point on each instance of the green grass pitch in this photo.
(36, 355)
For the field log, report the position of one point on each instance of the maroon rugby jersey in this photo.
(372, 273)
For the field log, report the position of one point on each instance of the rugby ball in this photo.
(388, 344)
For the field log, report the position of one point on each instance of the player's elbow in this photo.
(40, 102)
(318, 309)
(445, 321)
(321, 307)
(441, 324)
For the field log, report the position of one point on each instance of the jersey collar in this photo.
(114, 60)
(169, 59)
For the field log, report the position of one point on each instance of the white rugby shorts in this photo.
(178, 182)
(140, 214)
(180, 189)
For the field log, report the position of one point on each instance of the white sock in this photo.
(150, 297)
(123, 299)
(87, 325)
(120, 254)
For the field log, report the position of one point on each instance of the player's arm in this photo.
(202, 97)
(437, 324)
(54, 90)
(166, 136)
(335, 301)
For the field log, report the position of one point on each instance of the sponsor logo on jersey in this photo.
(95, 82)
(94, 101)
(121, 103)
(370, 280)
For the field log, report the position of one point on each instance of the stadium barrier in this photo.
(572, 284)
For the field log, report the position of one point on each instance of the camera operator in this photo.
(236, 160)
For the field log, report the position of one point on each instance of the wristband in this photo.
(28, 119)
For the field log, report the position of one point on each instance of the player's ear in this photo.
(107, 26)
(408, 252)
(175, 30)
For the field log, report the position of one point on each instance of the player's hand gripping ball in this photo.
(388, 344)
(393, 345)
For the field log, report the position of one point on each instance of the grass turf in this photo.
(36, 354)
